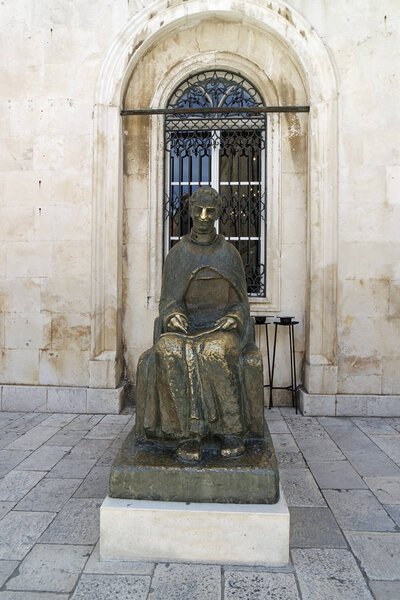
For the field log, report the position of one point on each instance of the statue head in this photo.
(205, 207)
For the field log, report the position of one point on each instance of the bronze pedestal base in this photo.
(142, 472)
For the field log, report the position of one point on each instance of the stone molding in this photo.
(307, 48)
(348, 405)
(26, 398)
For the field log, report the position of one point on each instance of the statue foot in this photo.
(232, 446)
(189, 451)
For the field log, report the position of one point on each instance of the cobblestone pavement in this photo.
(341, 478)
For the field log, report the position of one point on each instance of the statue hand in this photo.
(226, 323)
(178, 323)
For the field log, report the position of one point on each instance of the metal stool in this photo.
(283, 322)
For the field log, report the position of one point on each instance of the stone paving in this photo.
(341, 478)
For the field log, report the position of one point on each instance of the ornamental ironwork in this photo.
(226, 151)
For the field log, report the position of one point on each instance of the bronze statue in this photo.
(202, 378)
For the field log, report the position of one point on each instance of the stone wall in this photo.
(75, 313)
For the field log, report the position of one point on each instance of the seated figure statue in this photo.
(203, 376)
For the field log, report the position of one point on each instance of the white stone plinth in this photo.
(246, 534)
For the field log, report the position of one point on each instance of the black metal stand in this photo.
(271, 367)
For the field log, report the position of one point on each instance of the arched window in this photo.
(214, 144)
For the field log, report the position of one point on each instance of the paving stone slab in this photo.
(5, 507)
(390, 444)
(278, 426)
(7, 437)
(65, 438)
(290, 460)
(49, 494)
(43, 459)
(378, 553)
(34, 438)
(19, 531)
(181, 581)
(8, 417)
(358, 510)
(314, 527)
(107, 458)
(89, 449)
(59, 419)
(6, 569)
(109, 427)
(372, 463)
(329, 574)
(16, 484)
(76, 523)
(394, 512)
(284, 442)
(385, 590)
(10, 459)
(95, 484)
(393, 422)
(84, 422)
(31, 596)
(336, 422)
(386, 489)
(71, 469)
(338, 474)
(373, 425)
(273, 413)
(116, 567)
(300, 488)
(107, 587)
(313, 440)
(241, 585)
(50, 568)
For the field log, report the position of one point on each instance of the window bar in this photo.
(249, 199)
(239, 176)
(180, 178)
(229, 188)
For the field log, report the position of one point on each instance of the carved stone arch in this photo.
(308, 51)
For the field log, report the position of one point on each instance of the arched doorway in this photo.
(312, 74)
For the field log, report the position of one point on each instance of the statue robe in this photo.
(193, 384)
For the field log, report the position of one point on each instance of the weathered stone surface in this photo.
(358, 510)
(116, 567)
(314, 527)
(49, 494)
(95, 484)
(50, 568)
(12, 595)
(338, 474)
(76, 523)
(44, 458)
(300, 488)
(16, 484)
(385, 590)
(378, 553)
(329, 574)
(248, 585)
(180, 581)
(10, 459)
(140, 472)
(19, 531)
(104, 587)
(71, 469)
(386, 489)
(6, 568)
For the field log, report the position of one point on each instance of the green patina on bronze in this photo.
(200, 433)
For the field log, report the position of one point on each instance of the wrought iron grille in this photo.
(227, 151)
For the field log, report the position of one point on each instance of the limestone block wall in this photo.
(51, 58)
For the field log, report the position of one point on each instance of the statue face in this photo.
(204, 214)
